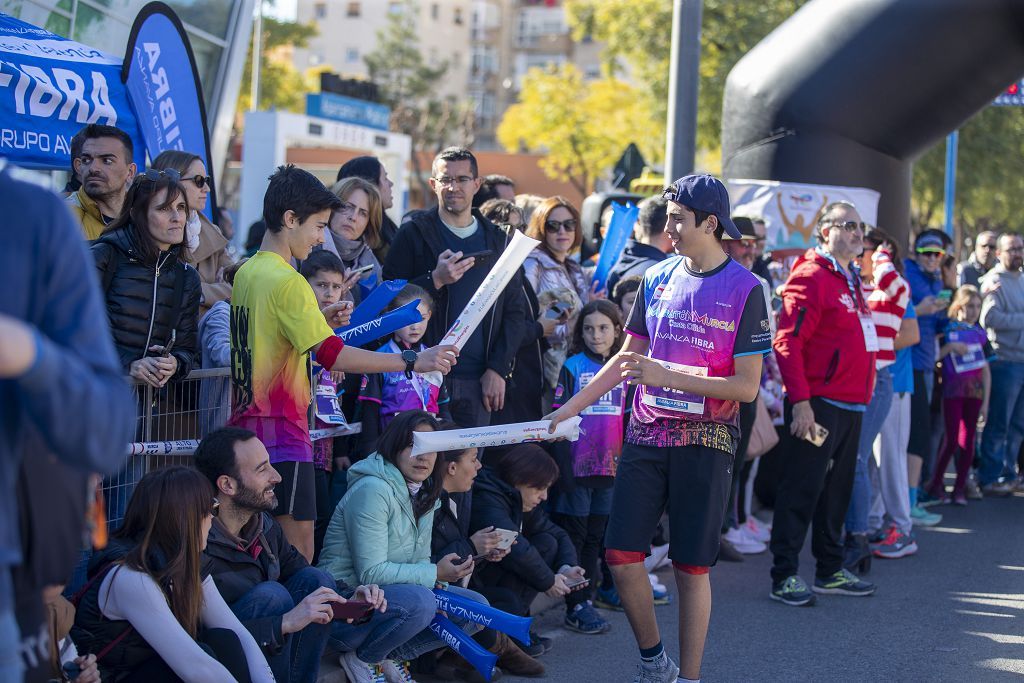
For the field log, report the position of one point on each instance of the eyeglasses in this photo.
(568, 225)
(155, 174)
(446, 181)
(851, 226)
(201, 181)
(215, 507)
(513, 226)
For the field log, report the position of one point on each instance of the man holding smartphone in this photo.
(449, 250)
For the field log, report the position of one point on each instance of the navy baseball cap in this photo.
(705, 193)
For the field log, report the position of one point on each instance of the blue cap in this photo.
(705, 193)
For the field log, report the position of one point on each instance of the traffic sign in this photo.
(1013, 96)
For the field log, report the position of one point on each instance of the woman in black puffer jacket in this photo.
(152, 294)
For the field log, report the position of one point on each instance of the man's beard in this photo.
(99, 194)
(251, 499)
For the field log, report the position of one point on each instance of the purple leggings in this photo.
(961, 416)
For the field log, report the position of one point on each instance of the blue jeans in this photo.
(299, 659)
(410, 610)
(1004, 429)
(877, 410)
(426, 641)
(584, 501)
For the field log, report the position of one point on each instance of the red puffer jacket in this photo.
(820, 344)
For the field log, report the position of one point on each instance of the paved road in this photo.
(955, 611)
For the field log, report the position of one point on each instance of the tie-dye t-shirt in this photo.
(596, 452)
(698, 323)
(275, 321)
(962, 373)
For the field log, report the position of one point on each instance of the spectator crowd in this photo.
(731, 401)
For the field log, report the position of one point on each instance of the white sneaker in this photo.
(396, 671)
(743, 542)
(656, 584)
(757, 531)
(657, 559)
(358, 671)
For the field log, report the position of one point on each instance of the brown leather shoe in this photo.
(514, 660)
(452, 667)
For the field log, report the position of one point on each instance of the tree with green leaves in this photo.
(580, 126)
(408, 85)
(281, 85)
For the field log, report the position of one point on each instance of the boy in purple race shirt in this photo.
(695, 342)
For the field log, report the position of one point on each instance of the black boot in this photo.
(857, 554)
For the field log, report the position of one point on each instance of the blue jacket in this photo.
(923, 285)
(73, 402)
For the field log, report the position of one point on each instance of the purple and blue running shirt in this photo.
(596, 452)
(698, 323)
(397, 393)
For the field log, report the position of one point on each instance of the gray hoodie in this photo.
(1002, 313)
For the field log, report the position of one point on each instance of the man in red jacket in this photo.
(825, 347)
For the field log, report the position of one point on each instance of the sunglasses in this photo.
(514, 226)
(155, 174)
(215, 507)
(568, 225)
(930, 254)
(851, 226)
(201, 181)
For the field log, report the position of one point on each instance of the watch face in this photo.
(409, 356)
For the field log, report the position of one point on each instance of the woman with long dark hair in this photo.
(206, 244)
(148, 612)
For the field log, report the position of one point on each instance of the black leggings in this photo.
(587, 535)
(220, 643)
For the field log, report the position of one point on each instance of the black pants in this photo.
(467, 402)
(220, 643)
(506, 590)
(815, 487)
(587, 535)
(748, 412)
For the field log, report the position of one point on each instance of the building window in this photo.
(355, 9)
(458, 16)
(320, 10)
(435, 11)
(352, 55)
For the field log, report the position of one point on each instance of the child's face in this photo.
(327, 286)
(628, 300)
(411, 335)
(599, 333)
(971, 311)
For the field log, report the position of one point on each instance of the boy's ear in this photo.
(289, 219)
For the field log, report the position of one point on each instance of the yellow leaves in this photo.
(582, 126)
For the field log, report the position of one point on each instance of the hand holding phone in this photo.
(358, 611)
(576, 584)
(817, 435)
(361, 269)
(478, 255)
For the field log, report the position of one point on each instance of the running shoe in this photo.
(396, 671)
(792, 591)
(896, 545)
(844, 583)
(744, 542)
(960, 499)
(358, 671)
(661, 670)
(925, 499)
(661, 596)
(757, 531)
(608, 599)
(973, 490)
(585, 619)
(998, 489)
(921, 517)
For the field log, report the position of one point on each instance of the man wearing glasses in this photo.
(825, 347)
(1002, 315)
(449, 250)
(930, 299)
(981, 260)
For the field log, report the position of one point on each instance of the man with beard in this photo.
(267, 583)
(105, 169)
(448, 251)
(1002, 315)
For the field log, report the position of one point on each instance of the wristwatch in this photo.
(409, 356)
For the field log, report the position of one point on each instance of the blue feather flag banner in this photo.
(375, 302)
(467, 648)
(619, 230)
(382, 326)
(485, 615)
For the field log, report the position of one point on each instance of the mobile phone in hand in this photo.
(577, 584)
(478, 254)
(361, 269)
(357, 610)
(817, 435)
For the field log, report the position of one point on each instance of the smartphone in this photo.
(507, 538)
(479, 254)
(357, 610)
(817, 435)
(557, 311)
(361, 269)
(944, 295)
(577, 584)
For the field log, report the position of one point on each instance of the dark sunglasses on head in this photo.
(201, 181)
(156, 174)
(568, 225)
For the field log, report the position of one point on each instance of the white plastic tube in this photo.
(485, 296)
(500, 435)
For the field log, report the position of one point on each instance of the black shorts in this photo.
(920, 419)
(296, 494)
(691, 482)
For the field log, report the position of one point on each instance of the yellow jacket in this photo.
(87, 213)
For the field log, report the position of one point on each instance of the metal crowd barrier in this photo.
(169, 424)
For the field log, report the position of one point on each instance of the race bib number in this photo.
(974, 359)
(327, 407)
(609, 404)
(867, 325)
(673, 399)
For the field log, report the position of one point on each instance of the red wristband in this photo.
(329, 350)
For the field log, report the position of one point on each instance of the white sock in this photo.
(687, 680)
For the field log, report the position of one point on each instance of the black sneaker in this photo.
(843, 583)
(793, 591)
(538, 644)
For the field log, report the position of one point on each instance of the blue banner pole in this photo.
(952, 143)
